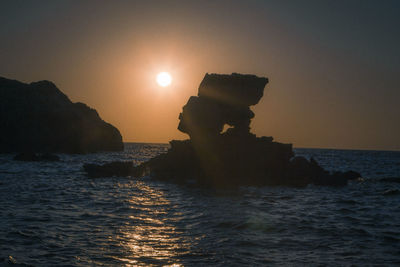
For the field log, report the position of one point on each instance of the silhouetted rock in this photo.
(30, 156)
(39, 117)
(235, 157)
(222, 99)
(109, 169)
(234, 89)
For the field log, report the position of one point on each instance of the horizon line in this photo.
(295, 147)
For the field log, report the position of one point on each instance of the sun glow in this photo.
(164, 79)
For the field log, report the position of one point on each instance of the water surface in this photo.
(51, 214)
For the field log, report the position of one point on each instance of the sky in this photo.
(333, 66)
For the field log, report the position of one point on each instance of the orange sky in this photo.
(333, 76)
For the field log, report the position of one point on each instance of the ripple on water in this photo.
(53, 215)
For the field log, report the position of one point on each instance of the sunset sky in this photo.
(334, 66)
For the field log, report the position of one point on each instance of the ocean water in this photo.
(53, 215)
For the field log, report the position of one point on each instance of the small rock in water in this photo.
(30, 156)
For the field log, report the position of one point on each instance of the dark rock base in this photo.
(237, 161)
(230, 161)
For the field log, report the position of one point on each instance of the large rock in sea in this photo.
(235, 157)
(38, 117)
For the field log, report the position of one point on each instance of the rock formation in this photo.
(222, 99)
(235, 157)
(38, 117)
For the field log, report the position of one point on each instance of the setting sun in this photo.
(164, 79)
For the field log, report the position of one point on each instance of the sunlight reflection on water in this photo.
(148, 237)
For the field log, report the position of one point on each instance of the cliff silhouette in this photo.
(223, 159)
(38, 117)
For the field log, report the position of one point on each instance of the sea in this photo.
(51, 214)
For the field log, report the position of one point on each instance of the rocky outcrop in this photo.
(38, 117)
(235, 157)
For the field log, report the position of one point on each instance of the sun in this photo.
(164, 79)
